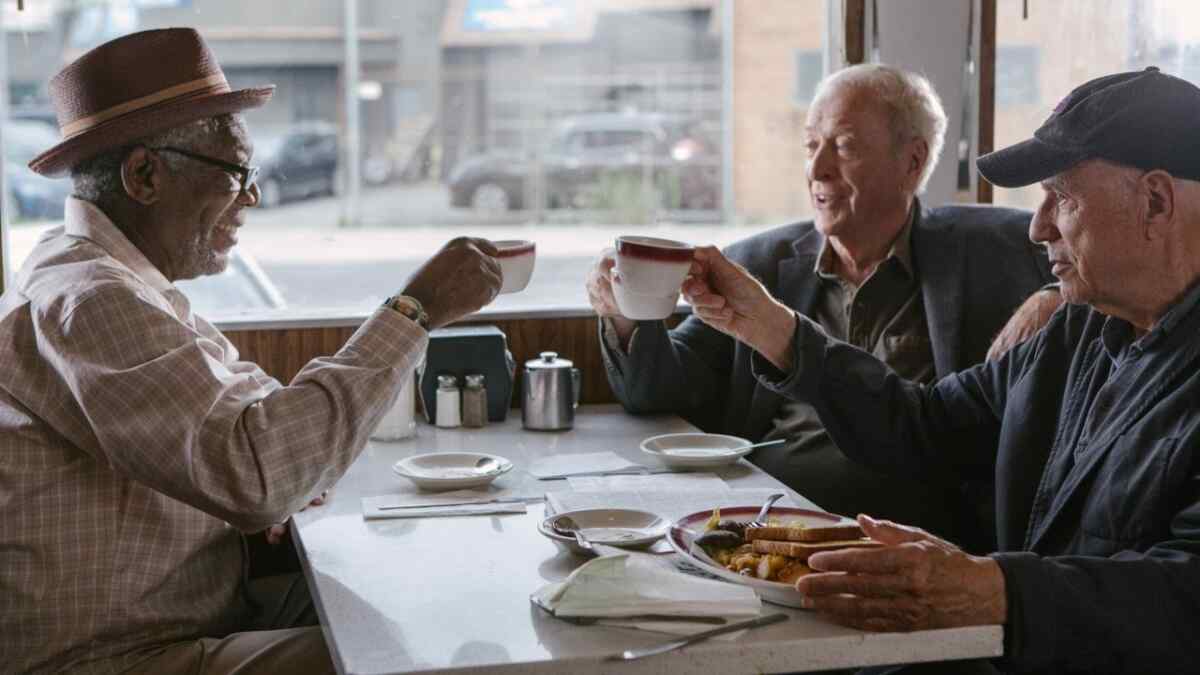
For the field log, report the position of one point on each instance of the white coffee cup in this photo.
(516, 258)
(648, 274)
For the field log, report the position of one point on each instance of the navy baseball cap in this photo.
(1144, 119)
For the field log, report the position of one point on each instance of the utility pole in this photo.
(350, 72)
(5, 202)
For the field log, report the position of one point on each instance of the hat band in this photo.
(216, 83)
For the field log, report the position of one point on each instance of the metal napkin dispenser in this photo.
(462, 351)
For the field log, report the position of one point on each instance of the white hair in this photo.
(98, 179)
(915, 109)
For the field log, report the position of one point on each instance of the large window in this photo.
(563, 121)
(1061, 44)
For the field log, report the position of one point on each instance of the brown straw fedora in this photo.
(133, 87)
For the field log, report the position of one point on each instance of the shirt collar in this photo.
(1118, 333)
(901, 249)
(1173, 317)
(84, 219)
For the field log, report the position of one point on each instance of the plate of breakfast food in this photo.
(769, 559)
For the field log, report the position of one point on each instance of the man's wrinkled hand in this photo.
(916, 582)
(1029, 318)
(277, 533)
(600, 295)
(458, 280)
(727, 297)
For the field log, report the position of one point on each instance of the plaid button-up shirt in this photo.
(134, 445)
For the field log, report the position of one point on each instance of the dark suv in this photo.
(31, 196)
(589, 161)
(297, 161)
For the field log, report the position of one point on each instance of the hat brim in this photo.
(127, 128)
(1026, 163)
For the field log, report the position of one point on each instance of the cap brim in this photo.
(1025, 163)
(127, 128)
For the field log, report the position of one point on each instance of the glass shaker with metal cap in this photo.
(550, 389)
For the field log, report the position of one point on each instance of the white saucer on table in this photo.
(626, 528)
(451, 470)
(696, 450)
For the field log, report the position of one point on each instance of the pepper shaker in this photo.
(474, 402)
(448, 411)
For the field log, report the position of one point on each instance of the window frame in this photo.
(852, 45)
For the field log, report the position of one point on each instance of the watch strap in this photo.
(409, 307)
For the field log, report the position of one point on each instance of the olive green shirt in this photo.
(884, 316)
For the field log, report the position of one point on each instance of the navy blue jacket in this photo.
(1092, 440)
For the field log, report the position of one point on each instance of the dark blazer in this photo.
(976, 266)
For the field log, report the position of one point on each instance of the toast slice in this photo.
(806, 534)
(803, 550)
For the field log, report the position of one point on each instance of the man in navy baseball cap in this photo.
(1090, 429)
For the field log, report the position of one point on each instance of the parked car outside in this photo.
(296, 161)
(31, 196)
(587, 156)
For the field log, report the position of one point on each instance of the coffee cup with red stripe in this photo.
(516, 257)
(648, 274)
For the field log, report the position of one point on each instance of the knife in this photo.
(511, 500)
(631, 654)
(615, 472)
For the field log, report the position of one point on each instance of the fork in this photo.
(631, 654)
(761, 519)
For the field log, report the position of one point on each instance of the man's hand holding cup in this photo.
(727, 297)
(457, 281)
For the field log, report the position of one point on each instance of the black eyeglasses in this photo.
(247, 175)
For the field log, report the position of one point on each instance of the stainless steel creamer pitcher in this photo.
(550, 389)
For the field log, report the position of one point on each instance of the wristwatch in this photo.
(409, 307)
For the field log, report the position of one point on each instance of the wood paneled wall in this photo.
(283, 352)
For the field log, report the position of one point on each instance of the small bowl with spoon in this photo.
(699, 450)
(452, 470)
(581, 531)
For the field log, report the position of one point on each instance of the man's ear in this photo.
(142, 175)
(916, 157)
(1156, 194)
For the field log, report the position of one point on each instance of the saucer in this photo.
(628, 528)
(696, 450)
(450, 470)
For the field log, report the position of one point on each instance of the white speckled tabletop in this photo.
(451, 595)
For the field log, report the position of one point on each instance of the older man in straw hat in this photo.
(134, 445)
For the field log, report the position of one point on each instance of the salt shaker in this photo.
(448, 415)
(474, 402)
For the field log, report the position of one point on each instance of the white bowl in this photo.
(516, 259)
(696, 450)
(450, 470)
(683, 531)
(627, 528)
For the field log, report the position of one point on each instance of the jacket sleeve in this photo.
(169, 407)
(1134, 612)
(897, 426)
(684, 370)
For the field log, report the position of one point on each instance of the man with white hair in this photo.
(925, 290)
